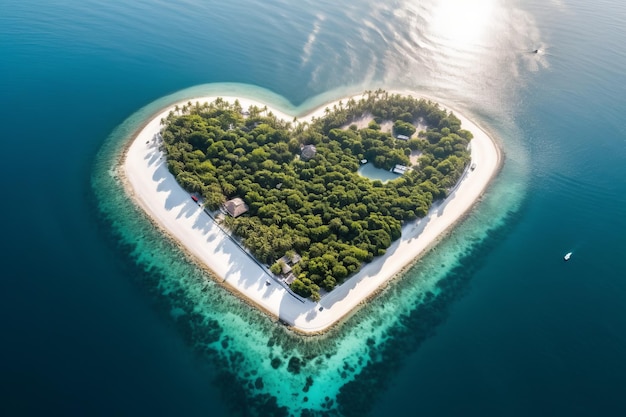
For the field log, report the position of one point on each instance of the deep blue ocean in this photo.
(100, 316)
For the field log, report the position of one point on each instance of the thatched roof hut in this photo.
(236, 207)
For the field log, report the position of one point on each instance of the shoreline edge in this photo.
(143, 172)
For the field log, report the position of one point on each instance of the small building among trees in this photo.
(400, 169)
(308, 152)
(236, 207)
(284, 266)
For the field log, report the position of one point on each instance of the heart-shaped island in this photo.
(306, 217)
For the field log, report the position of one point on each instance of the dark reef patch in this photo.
(356, 397)
(151, 259)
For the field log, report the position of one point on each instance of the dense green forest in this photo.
(320, 208)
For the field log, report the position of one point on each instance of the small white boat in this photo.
(567, 256)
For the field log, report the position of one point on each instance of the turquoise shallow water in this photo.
(101, 316)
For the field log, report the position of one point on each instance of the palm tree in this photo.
(237, 107)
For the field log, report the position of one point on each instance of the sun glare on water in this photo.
(461, 22)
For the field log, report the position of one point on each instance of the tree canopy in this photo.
(319, 207)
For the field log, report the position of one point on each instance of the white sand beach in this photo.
(150, 184)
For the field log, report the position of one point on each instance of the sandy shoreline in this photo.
(148, 182)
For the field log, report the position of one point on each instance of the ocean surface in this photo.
(101, 316)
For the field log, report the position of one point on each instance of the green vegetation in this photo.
(320, 208)
(401, 127)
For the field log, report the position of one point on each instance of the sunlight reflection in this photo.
(462, 22)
